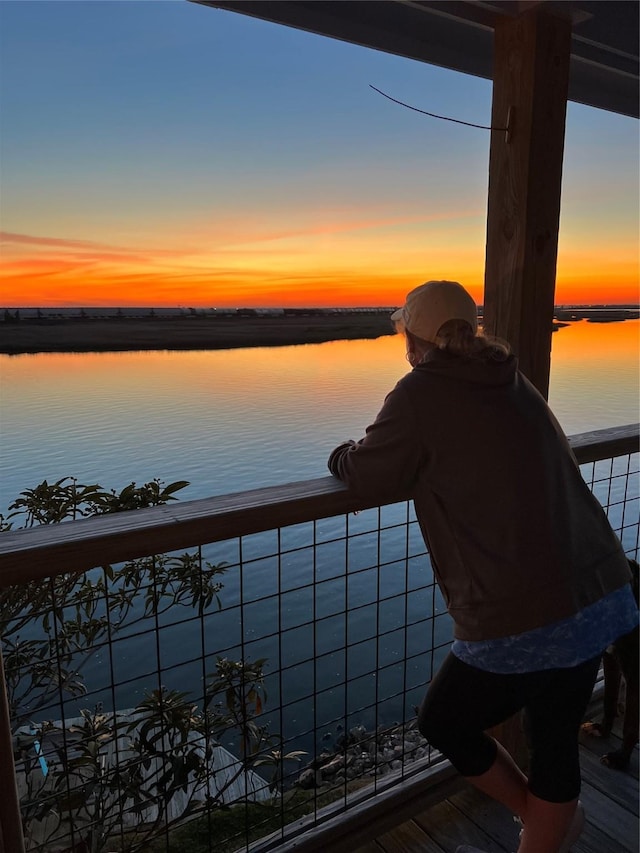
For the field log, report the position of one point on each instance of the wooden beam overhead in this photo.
(530, 84)
(458, 34)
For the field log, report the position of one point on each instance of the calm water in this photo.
(239, 419)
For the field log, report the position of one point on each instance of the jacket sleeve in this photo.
(386, 461)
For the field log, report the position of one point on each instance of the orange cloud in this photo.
(9, 237)
(240, 232)
(356, 260)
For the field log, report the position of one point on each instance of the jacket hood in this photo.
(482, 371)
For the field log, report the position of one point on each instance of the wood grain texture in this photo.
(468, 816)
(531, 74)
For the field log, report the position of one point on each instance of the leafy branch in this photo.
(155, 765)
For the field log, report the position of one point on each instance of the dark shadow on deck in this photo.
(466, 816)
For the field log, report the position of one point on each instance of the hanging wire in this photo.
(433, 115)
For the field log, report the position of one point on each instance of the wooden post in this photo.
(530, 83)
(11, 839)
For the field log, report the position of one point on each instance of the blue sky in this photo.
(169, 153)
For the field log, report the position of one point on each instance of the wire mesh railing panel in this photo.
(276, 674)
(279, 666)
(616, 484)
(116, 728)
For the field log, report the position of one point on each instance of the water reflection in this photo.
(238, 419)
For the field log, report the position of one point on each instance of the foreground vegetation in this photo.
(78, 773)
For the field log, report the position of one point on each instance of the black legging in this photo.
(463, 701)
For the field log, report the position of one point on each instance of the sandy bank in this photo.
(186, 333)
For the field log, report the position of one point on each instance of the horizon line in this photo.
(228, 308)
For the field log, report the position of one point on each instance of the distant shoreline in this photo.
(126, 334)
(187, 333)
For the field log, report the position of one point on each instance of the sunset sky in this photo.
(164, 153)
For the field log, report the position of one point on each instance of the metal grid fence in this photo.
(279, 671)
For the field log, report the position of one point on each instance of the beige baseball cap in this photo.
(432, 304)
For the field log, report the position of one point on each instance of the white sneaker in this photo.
(573, 833)
(575, 830)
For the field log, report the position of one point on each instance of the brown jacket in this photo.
(517, 540)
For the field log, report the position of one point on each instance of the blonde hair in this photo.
(458, 338)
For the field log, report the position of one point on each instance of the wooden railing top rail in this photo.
(45, 551)
(605, 443)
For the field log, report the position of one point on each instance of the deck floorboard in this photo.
(467, 816)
